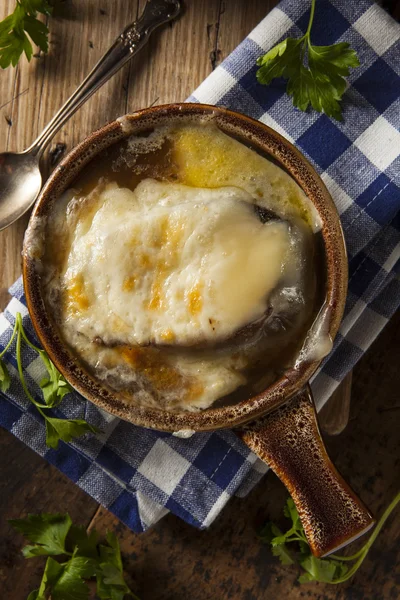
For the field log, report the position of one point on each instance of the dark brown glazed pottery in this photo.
(287, 435)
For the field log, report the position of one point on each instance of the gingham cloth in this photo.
(140, 474)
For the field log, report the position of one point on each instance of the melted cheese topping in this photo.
(171, 264)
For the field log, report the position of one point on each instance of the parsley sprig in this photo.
(54, 388)
(321, 81)
(292, 548)
(21, 28)
(83, 559)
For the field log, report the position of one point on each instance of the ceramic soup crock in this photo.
(279, 424)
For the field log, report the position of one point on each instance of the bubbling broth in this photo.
(181, 268)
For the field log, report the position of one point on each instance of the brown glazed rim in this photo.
(261, 138)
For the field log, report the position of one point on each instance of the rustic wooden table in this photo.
(174, 560)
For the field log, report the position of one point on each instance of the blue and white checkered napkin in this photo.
(140, 474)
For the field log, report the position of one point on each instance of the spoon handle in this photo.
(128, 43)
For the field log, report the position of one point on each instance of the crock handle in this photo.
(289, 440)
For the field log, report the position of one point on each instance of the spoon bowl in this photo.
(20, 184)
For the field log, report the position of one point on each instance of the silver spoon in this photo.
(20, 176)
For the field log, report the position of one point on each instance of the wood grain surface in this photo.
(173, 560)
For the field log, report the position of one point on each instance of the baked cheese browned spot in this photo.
(194, 299)
(145, 261)
(75, 296)
(159, 373)
(129, 284)
(170, 238)
(156, 299)
(168, 336)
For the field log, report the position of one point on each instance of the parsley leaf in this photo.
(332, 569)
(319, 569)
(47, 531)
(280, 61)
(66, 430)
(15, 29)
(110, 580)
(64, 581)
(270, 533)
(86, 559)
(284, 554)
(290, 512)
(111, 553)
(321, 82)
(85, 543)
(82, 566)
(54, 388)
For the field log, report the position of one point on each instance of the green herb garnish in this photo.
(54, 388)
(292, 548)
(83, 559)
(319, 82)
(21, 28)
